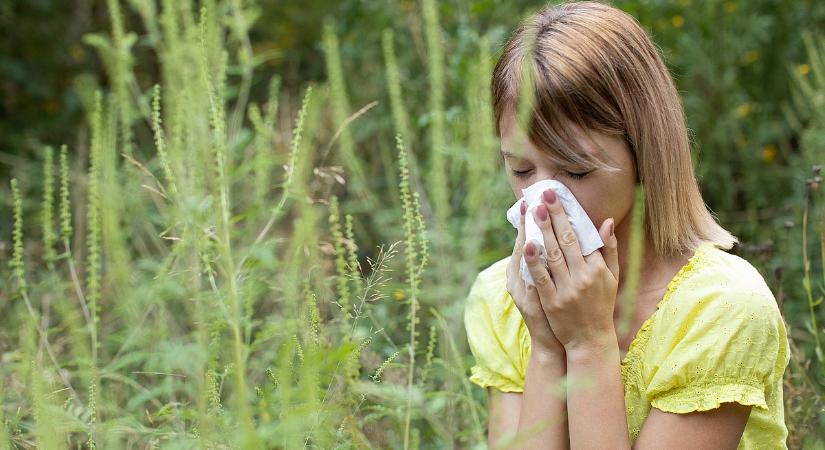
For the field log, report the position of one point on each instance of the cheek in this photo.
(517, 184)
(605, 200)
(516, 187)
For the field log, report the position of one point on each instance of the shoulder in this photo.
(721, 284)
(496, 334)
(723, 305)
(721, 325)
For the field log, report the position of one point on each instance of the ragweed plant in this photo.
(201, 276)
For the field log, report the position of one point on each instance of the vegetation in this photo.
(261, 233)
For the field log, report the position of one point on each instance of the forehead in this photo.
(515, 143)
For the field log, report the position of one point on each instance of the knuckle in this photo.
(581, 284)
(555, 255)
(542, 280)
(568, 237)
(550, 308)
(571, 299)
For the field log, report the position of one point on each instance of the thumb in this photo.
(610, 252)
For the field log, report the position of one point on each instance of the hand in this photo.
(527, 301)
(578, 293)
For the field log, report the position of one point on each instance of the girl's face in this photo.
(602, 193)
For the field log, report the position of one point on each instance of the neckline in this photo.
(671, 286)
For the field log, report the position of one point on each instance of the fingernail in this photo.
(523, 207)
(530, 250)
(541, 212)
(550, 196)
(611, 226)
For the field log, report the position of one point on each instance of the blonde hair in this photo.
(594, 65)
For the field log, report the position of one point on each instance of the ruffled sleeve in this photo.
(721, 341)
(495, 332)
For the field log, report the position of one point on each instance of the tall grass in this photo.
(805, 378)
(197, 277)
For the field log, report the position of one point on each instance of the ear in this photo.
(610, 252)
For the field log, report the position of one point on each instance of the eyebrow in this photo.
(507, 154)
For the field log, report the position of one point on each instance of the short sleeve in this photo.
(495, 332)
(716, 346)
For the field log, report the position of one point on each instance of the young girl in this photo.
(701, 363)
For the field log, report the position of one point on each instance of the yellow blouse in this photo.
(716, 336)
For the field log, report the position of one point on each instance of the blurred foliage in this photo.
(752, 86)
(41, 55)
(731, 61)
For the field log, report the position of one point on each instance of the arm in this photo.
(603, 403)
(578, 302)
(539, 414)
(502, 411)
(718, 428)
(538, 418)
(543, 417)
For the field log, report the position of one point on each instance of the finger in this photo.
(544, 283)
(555, 258)
(533, 303)
(566, 237)
(514, 265)
(610, 251)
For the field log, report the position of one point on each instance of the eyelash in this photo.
(575, 176)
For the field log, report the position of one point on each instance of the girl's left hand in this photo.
(578, 293)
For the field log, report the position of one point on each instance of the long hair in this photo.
(594, 65)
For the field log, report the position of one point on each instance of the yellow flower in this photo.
(803, 69)
(684, 2)
(77, 53)
(398, 294)
(768, 153)
(730, 7)
(743, 110)
(677, 21)
(751, 56)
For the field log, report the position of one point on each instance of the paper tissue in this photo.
(586, 232)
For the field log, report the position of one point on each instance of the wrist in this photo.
(545, 354)
(597, 348)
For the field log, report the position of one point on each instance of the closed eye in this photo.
(578, 176)
(525, 173)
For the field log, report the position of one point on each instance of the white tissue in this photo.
(586, 232)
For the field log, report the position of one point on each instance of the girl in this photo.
(702, 362)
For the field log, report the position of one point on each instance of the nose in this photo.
(546, 174)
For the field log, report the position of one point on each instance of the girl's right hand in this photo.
(527, 300)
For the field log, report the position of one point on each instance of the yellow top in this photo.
(716, 336)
